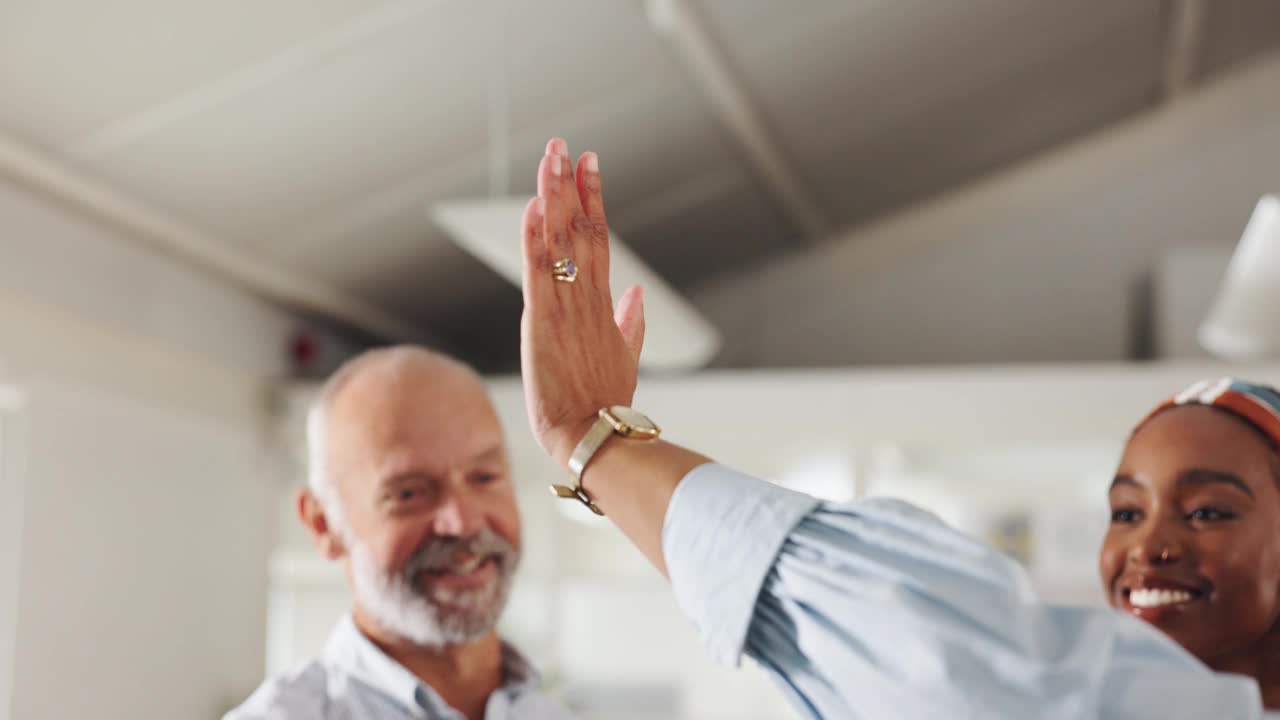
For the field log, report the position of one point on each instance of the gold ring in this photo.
(564, 270)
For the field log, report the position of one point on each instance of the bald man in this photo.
(410, 489)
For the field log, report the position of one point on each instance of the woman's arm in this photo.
(870, 610)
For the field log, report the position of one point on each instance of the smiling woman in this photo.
(1193, 547)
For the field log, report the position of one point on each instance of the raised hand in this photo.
(577, 354)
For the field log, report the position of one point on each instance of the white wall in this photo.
(147, 515)
(1185, 285)
(143, 560)
(1037, 263)
(52, 257)
(11, 505)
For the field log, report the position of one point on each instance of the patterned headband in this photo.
(1257, 405)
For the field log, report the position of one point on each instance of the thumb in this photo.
(630, 319)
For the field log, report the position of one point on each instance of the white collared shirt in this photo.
(354, 680)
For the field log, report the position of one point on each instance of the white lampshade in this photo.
(1244, 321)
(677, 336)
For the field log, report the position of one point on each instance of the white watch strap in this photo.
(587, 448)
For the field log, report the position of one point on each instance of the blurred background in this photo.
(948, 251)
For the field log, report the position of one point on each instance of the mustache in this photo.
(444, 552)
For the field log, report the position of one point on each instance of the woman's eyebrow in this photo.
(1204, 476)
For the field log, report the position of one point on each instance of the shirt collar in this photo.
(349, 649)
(517, 672)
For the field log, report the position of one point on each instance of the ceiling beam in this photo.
(1183, 34)
(687, 30)
(215, 255)
(279, 65)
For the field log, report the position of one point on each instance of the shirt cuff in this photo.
(722, 535)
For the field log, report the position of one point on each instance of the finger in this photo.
(537, 260)
(592, 201)
(630, 319)
(546, 173)
(564, 219)
(558, 243)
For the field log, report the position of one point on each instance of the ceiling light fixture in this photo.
(678, 336)
(1243, 324)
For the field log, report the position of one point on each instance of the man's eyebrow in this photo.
(1124, 480)
(492, 453)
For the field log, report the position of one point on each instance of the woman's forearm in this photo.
(632, 481)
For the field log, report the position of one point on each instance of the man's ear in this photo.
(311, 513)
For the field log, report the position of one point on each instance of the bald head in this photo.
(378, 395)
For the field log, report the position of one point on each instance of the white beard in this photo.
(429, 618)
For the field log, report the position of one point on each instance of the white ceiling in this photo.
(313, 133)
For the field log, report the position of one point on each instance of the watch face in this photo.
(633, 418)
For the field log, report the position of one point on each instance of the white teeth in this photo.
(1149, 598)
(470, 566)
(461, 568)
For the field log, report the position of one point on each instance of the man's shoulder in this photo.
(300, 692)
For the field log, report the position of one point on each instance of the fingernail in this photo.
(558, 147)
(593, 163)
(556, 161)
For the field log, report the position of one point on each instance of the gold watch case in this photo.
(630, 423)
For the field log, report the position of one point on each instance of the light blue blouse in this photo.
(875, 609)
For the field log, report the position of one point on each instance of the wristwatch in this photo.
(610, 421)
